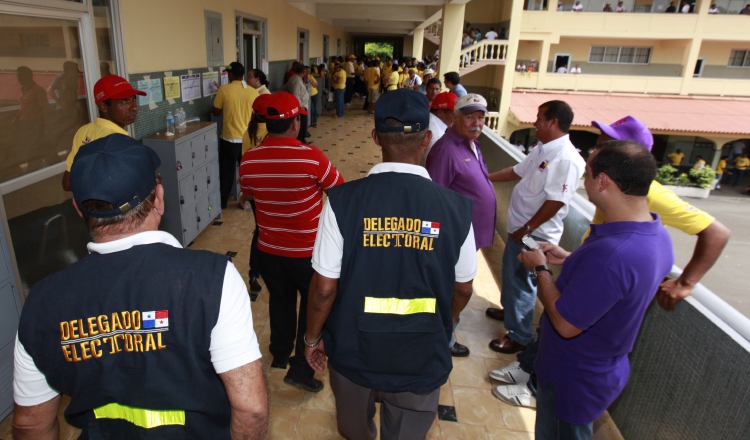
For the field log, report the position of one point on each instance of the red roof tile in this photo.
(667, 113)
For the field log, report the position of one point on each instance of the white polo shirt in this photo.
(549, 172)
(329, 243)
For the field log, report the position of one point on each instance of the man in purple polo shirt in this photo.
(456, 162)
(593, 312)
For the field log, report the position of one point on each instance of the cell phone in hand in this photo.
(530, 242)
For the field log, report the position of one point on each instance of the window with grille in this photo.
(739, 58)
(620, 55)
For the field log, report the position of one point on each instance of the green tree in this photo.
(381, 50)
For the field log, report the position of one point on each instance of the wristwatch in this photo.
(527, 228)
(542, 268)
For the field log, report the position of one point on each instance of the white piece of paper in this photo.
(154, 94)
(224, 78)
(191, 86)
(210, 83)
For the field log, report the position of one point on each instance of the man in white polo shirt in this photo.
(549, 177)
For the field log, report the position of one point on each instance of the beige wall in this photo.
(717, 52)
(664, 51)
(485, 11)
(170, 34)
(409, 46)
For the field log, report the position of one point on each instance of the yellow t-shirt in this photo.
(93, 130)
(236, 103)
(313, 89)
(359, 69)
(721, 166)
(672, 210)
(675, 158)
(402, 78)
(392, 81)
(741, 163)
(386, 72)
(342, 77)
(699, 164)
(372, 78)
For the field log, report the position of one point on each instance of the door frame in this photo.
(702, 61)
(554, 64)
(262, 44)
(305, 41)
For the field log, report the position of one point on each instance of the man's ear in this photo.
(374, 135)
(159, 199)
(78, 210)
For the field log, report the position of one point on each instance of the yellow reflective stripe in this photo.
(398, 306)
(145, 418)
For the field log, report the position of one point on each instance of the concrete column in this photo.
(450, 38)
(542, 64)
(417, 44)
(509, 71)
(693, 50)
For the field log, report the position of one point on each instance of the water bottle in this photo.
(170, 124)
(183, 117)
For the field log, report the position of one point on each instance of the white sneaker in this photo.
(511, 373)
(516, 395)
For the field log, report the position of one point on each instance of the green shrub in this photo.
(665, 175)
(704, 178)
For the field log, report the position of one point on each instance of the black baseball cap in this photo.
(407, 106)
(116, 169)
(236, 68)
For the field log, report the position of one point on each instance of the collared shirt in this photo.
(92, 131)
(459, 90)
(236, 101)
(549, 172)
(452, 163)
(606, 285)
(263, 90)
(233, 340)
(491, 35)
(329, 245)
(437, 127)
(287, 180)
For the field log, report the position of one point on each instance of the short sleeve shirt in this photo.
(94, 130)
(549, 172)
(236, 101)
(341, 75)
(392, 81)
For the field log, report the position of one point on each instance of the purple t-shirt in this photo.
(606, 286)
(452, 164)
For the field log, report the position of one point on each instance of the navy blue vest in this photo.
(402, 239)
(133, 328)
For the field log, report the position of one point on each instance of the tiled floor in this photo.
(297, 414)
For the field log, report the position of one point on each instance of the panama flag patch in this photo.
(155, 319)
(432, 228)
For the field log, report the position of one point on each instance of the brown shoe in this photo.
(496, 314)
(506, 345)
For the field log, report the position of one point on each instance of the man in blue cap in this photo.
(394, 260)
(150, 340)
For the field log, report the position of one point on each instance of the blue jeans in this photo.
(518, 294)
(453, 333)
(338, 98)
(549, 427)
(314, 108)
(736, 176)
(527, 357)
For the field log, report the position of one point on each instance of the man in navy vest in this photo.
(394, 260)
(149, 340)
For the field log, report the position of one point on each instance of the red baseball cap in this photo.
(282, 105)
(444, 101)
(260, 105)
(114, 87)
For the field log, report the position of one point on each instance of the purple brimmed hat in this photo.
(627, 128)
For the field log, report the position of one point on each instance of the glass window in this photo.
(597, 54)
(739, 58)
(611, 54)
(627, 54)
(42, 92)
(642, 55)
(105, 42)
(619, 55)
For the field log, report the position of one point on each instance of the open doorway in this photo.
(698, 67)
(251, 38)
(382, 50)
(561, 60)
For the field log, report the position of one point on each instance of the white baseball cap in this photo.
(471, 103)
(428, 72)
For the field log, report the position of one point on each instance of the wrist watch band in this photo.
(542, 268)
(527, 228)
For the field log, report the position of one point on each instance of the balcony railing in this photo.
(599, 83)
(490, 51)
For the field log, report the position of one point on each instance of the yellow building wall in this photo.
(529, 50)
(485, 11)
(409, 47)
(482, 77)
(664, 51)
(171, 35)
(717, 52)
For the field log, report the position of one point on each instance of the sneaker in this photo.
(516, 395)
(312, 385)
(511, 373)
(255, 286)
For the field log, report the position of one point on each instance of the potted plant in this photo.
(696, 183)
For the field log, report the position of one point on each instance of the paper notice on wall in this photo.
(319, 61)
(224, 78)
(152, 87)
(264, 67)
(190, 85)
(210, 83)
(172, 87)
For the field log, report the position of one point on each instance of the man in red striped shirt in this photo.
(287, 180)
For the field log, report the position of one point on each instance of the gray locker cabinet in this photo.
(190, 176)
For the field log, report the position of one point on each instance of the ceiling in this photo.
(376, 17)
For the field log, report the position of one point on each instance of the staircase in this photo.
(476, 56)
